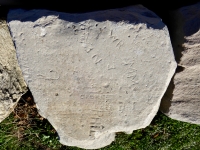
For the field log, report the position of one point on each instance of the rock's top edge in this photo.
(132, 14)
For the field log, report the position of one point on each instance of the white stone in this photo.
(12, 84)
(94, 74)
(182, 101)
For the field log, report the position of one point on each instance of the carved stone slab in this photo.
(184, 103)
(94, 74)
(12, 85)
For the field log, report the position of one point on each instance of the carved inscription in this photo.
(93, 74)
(95, 122)
(88, 46)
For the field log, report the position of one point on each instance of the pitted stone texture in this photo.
(184, 104)
(12, 85)
(94, 74)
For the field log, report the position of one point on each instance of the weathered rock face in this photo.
(94, 74)
(184, 103)
(12, 85)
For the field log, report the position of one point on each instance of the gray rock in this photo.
(182, 100)
(94, 74)
(12, 85)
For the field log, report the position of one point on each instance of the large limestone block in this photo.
(12, 84)
(182, 101)
(94, 74)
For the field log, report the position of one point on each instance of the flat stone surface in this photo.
(12, 85)
(94, 74)
(183, 102)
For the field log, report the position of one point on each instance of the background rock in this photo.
(182, 99)
(94, 74)
(12, 85)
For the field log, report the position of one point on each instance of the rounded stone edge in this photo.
(100, 142)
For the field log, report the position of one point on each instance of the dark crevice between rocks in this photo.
(180, 69)
(174, 22)
(3, 12)
(28, 95)
(157, 6)
(166, 100)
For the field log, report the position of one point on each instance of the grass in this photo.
(25, 129)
